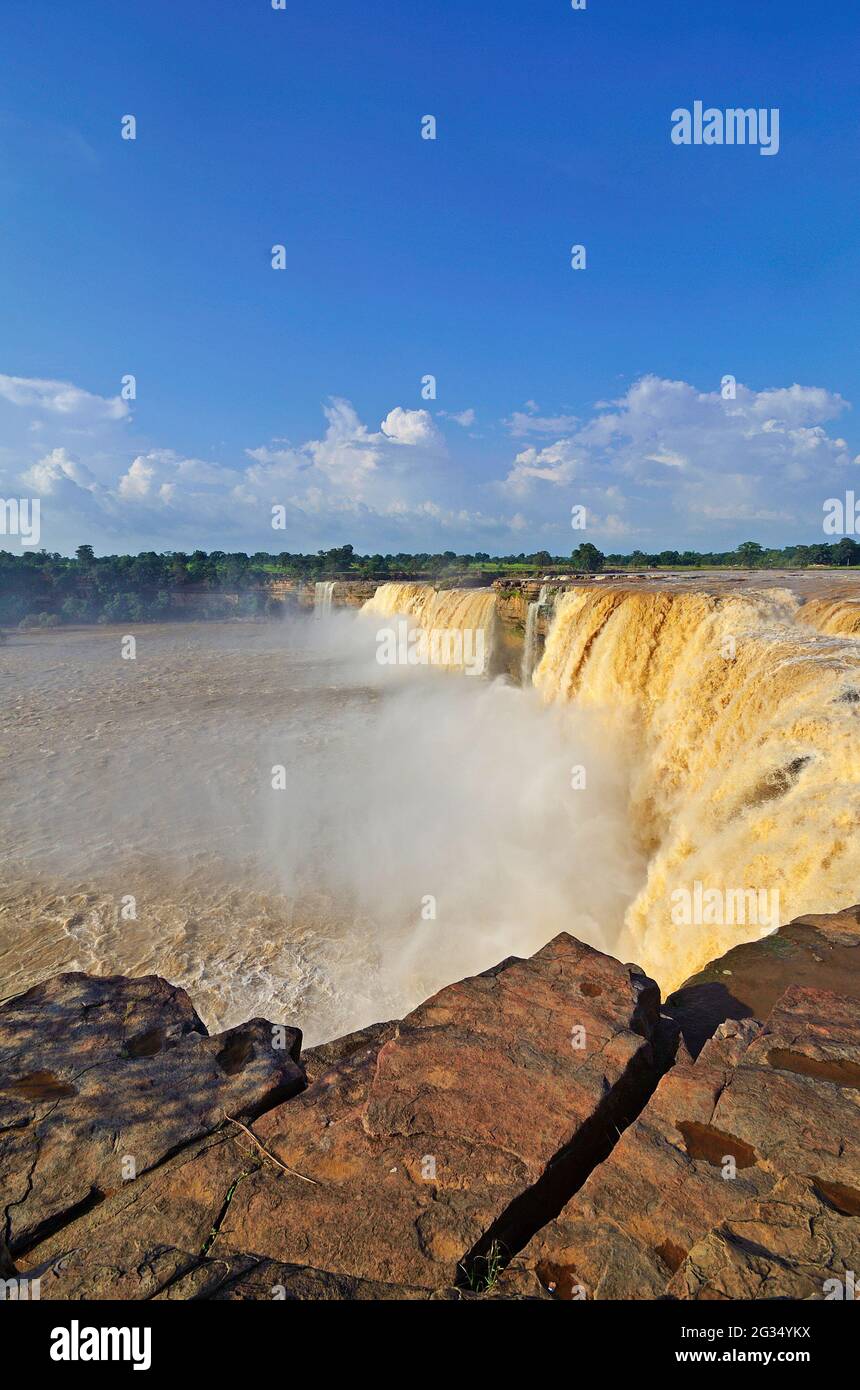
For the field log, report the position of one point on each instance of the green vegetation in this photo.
(748, 555)
(481, 1274)
(40, 589)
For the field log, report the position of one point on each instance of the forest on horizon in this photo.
(40, 588)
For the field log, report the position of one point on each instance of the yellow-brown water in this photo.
(426, 827)
(423, 827)
(739, 725)
(440, 610)
(837, 614)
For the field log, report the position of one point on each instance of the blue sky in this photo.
(407, 257)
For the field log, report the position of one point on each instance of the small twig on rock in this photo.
(266, 1153)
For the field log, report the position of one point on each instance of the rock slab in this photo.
(821, 951)
(762, 1104)
(439, 1149)
(103, 1077)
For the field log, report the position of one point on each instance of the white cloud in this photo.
(61, 398)
(686, 459)
(792, 405)
(556, 464)
(409, 426)
(137, 482)
(520, 424)
(664, 464)
(671, 459)
(466, 418)
(59, 466)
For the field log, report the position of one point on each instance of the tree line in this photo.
(46, 589)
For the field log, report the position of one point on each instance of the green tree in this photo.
(74, 609)
(750, 553)
(846, 552)
(588, 557)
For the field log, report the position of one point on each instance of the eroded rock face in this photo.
(821, 951)
(761, 1104)
(424, 1154)
(254, 1280)
(318, 1060)
(792, 1244)
(454, 1135)
(154, 1233)
(102, 1077)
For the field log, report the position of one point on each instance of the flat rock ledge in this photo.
(544, 1130)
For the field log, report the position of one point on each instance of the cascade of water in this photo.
(740, 726)
(838, 615)
(323, 594)
(469, 613)
(531, 636)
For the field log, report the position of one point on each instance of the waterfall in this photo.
(741, 726)
(471, 612)
(323, 594)
(837, 615)
(531, 636)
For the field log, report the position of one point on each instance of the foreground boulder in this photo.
(504, 1140)
(101, 1078)
(427, 1160)
(422, 1154)
(704, 1161)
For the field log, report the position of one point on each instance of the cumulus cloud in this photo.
(138, 480)
(352, 465)
(556, 464)
(409, 426)
(663, 464)
(164, 474)
(58, 466)
(61, 398)
(685, 459)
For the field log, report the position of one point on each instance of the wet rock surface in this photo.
(514, 1137)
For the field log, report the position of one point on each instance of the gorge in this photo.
(673, 733)
(441, 899)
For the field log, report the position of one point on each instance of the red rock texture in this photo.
(97, 1074)
(435, 1142)
(760, 1104)
(821, 951)
(498, 1142)
(793, 1243)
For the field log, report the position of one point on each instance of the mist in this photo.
(440, 816)
(427, 827)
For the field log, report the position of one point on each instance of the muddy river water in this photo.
(420, 826)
